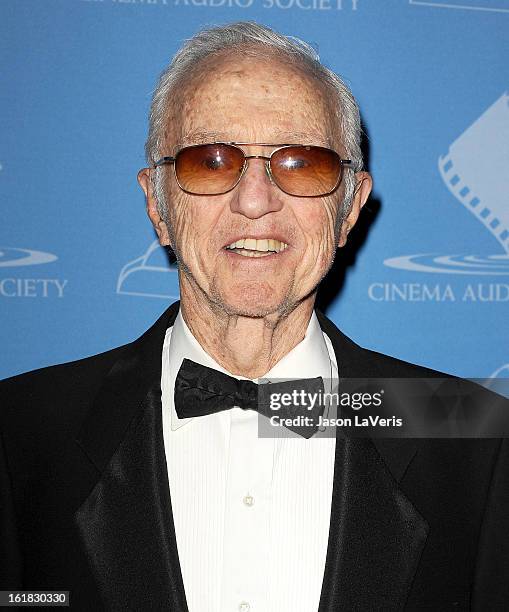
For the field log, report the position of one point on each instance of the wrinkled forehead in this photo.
(252, 100)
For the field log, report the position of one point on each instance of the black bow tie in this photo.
(200, 391)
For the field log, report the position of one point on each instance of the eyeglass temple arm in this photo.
(164, 160)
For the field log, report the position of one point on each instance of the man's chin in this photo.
(248, 309)
(251, 302)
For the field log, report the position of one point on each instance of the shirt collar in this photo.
(312, 357)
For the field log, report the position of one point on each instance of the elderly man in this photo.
(136, 479)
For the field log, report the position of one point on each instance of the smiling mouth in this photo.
(251, 247)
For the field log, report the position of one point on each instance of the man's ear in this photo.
(151, 202)
(363, 186)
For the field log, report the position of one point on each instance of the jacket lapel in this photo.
(126, 522)
(376, 534)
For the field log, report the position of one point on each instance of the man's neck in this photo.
(245, 346)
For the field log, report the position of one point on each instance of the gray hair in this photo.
(258, 40)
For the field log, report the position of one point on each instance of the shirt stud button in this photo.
(248, 501)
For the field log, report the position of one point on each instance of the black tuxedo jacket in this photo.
(85, 502)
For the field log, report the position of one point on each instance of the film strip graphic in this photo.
(475, 169)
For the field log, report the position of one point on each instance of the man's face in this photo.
(261, 102)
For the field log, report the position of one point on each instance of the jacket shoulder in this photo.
(53, 402)
(55, 394)
(393, 367)
(360, 361)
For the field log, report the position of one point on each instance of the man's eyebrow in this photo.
(200, 137)
(293, 137)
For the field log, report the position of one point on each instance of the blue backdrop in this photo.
(428, 279)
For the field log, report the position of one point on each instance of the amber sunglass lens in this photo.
(306, 170)
(209, 169)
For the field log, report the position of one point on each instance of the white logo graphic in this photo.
(493, 6)
(20, 287)
(11, 257)
(501, 372)
(475, 172)
(150, 275)
(499, 381)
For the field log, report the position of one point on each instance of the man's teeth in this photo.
(250, 247)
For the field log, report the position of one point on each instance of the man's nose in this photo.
(255, 195)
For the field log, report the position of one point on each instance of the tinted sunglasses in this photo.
(216, 168)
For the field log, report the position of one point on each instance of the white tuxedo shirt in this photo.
(251, 514)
